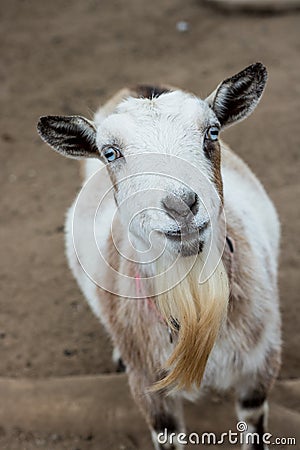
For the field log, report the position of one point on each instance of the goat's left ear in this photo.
(235, 98)
(72, 136)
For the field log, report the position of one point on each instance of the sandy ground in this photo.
(66, 57)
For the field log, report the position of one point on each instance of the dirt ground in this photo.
(66, 57)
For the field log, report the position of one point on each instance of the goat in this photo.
(174, 243)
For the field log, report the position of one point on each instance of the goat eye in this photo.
(111, 154)
(212, 133)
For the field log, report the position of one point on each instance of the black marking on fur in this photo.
(175, 324)
(230, 244)
(259, 429)
(121, 367)
(164, 420)
(200, 249)
(150, 92)
(255, 401)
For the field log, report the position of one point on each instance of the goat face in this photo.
(163, 158)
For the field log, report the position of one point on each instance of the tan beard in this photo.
(199, 309)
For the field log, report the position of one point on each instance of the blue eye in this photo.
(212, 133)
(111, 154)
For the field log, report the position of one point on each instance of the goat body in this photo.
(173, 334)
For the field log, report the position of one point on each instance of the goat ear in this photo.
(235, 98)
(72, 136)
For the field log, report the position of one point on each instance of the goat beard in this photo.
(199, 309)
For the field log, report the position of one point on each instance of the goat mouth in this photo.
(178, 236)
(182, 235)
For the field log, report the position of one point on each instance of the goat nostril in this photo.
(192, 202)
(181, 205)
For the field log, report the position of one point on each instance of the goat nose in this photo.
(181, 205)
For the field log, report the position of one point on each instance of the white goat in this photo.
(186, 299)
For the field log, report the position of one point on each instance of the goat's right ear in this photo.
(72, 136)
(236, 97)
